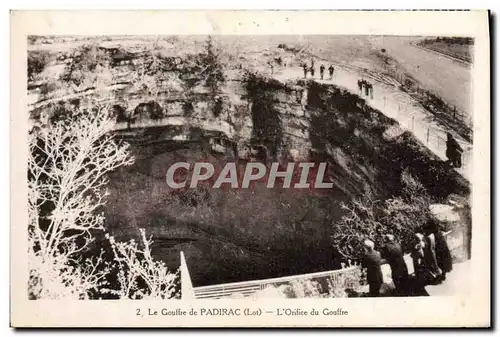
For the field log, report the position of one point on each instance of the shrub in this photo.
(32, 39)
(37, 61)
(366, 218)
(47, 88)
(85, 62)
(89, 57)
(212, 69)
(118, 113)
(154, 64)
(139, 275)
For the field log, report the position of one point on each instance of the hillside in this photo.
(192, 100)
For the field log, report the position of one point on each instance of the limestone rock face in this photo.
(241, 234)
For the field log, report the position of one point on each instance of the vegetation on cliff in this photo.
(67, 177)
(381, 184)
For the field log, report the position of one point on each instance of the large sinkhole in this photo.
(230, 235)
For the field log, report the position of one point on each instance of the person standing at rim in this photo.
(421, 261)
(322, 71)
(312, 71)
(442, 251)
(360, 87)
(372, 261)
(453, 151)
(304, 66)
(431, 257)
(393, 254)
(367, 88)
(331, 69)
(370, 89)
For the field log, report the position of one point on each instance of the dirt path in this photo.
(387, 99)
(394, 104)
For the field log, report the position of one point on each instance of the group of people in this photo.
(431, 261)
(322, 68)
(366, 87)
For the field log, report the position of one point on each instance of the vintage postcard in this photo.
(250, 169)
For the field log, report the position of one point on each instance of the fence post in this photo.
(428, 135)
(412, 122)
(385, 99)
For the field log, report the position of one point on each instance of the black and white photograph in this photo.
(388, 115)
(250, 167)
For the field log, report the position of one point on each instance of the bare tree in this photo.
(137, 266)
(67, 169)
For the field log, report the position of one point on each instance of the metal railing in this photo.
(249, 288)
